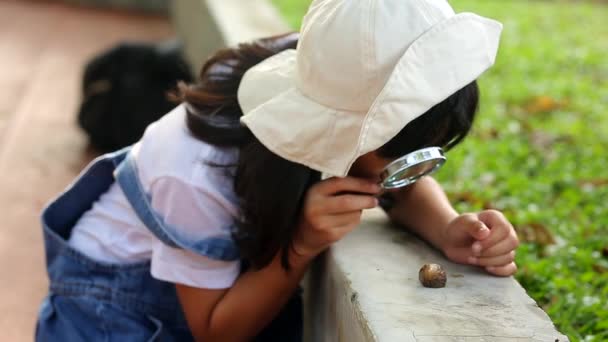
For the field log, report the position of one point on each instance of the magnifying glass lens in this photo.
(409, 168)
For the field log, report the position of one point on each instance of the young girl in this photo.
(204, 228)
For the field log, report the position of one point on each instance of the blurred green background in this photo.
(538, 151)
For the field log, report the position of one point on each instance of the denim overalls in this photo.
(96, 301)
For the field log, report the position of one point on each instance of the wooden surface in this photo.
(43, 47)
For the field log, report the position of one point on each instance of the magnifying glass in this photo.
(411, 167)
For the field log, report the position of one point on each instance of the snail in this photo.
(432, 275)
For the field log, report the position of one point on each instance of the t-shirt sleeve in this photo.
(196, 212)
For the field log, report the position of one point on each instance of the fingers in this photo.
(337, 185)
(459, 255)
(345, 229)
(492, 217)
(332, 208)
(499, 260)
(503, 271)
(479, 230)
(332, 221)
(510, 243)
(500, 229)
(474, 227)
(349, 203)
(336, 233)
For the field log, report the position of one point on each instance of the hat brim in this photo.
(273, 106)
(444, 59)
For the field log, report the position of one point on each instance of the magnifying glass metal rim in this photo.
(409, 160)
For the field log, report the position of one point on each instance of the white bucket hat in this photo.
(363, 70)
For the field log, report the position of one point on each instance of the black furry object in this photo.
(125, 89)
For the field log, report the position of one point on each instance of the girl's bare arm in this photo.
(332, 208)
(486, 239)
(239, 313)
(424, 209)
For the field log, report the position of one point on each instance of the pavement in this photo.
(43, 48)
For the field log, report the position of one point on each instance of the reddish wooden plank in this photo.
(43, 47)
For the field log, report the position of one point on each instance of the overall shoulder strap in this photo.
(214, 247)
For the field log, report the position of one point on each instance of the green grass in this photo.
(538, 152)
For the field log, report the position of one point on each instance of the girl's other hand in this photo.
(485, 239)
(332, 208)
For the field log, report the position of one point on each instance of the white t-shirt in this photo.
(186, 191)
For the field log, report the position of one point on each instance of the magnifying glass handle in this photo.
(386, 201)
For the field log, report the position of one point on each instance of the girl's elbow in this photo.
(218, 334)
(218, 338)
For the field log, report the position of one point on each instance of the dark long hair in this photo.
(271, 189)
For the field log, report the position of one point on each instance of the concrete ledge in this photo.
(366, 287)
(207, 25)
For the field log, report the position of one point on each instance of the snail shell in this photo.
(432, 275)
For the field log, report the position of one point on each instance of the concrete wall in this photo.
(207, 25)
(366, 287)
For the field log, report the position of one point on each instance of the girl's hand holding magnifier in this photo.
(332, 208)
